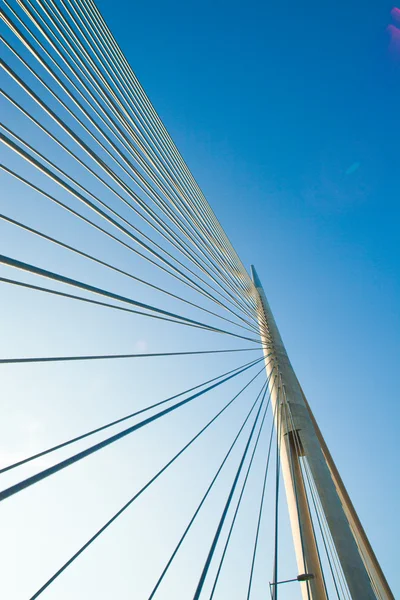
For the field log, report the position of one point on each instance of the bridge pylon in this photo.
(301, 442)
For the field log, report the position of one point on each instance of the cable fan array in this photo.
(113, 222)
(81, 136)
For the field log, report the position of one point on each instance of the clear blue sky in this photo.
(288, 117)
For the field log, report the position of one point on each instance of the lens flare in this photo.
(395, 12)
(394, 33)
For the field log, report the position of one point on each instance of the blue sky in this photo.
(288, 118)
(270, 106)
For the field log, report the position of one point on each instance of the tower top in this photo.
(254, 275)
